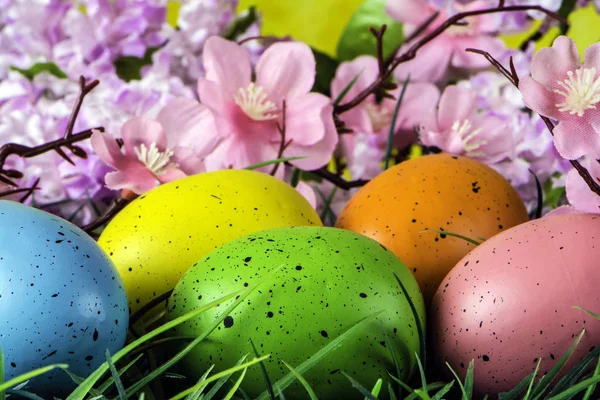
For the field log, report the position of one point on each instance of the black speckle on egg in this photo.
(228, 321)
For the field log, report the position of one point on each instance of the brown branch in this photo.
(338, 181)
(411, 53)
(283, 145)
(27, 191)
(378, 33)
(84, 88)
(116, 205)
(514, 79)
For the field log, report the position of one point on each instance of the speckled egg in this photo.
(509, 302)
(157, 237)
(61, 298)
(441, 192)
(331, 279)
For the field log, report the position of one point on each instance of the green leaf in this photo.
(359, 387)
(38, 68)
(116, 377)
(422, 344)
(390, 139)
(217, 386)
(30, 375)
(241, 24)
(303, 381)
(326, 67)
(271, 162)
(163, 368)
(129, 68)
(82, 390)
(544, 383)
(219, 376)
(553, 196)
(357, 40)
(236, 385)
(333, 345)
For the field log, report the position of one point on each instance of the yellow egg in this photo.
(157, 237)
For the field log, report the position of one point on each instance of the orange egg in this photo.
(441, 192)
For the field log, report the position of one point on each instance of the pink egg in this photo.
(510, 301)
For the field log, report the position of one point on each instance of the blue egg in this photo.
(61, 298)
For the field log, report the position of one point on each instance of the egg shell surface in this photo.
(157, 237)
(441, 192)
(61, 298)
(509, 302)
(330, 280)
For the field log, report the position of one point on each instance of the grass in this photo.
(135, 377)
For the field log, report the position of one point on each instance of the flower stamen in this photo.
(380, 117)
(253, 101)
(466, 132)
(156, 161)
(581, 91)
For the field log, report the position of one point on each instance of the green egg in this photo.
(330, 280)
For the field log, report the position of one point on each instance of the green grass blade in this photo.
(236, 385)
(78, 380)
(419, 394)
(82, 390)
(467, 388)
(530, 388)
(575, 373)
(115, 376)
(30, 375)
(391, 392)
(2, 393)
(402, 384)
(287, 380)
(344, 92)
(392, 352)
(219, 376)
(590, 390)
(303, 381)
(545, 382)
(390, 139)
(439, 395)
(593, 314)
(377, 388)
(359, 387)
(515, 392)
(422, 395)
(327, 211)
(264, 373)
(422, 374)
(271, 162)
(109, 382)
(573, 390)
(422, 340)
(217, 386)
(23, 394)
(198, 392)
(456, 235)
(244, 394)
(163, 368)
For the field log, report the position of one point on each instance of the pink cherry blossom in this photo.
(564, 89)
(248, 113)
(579, 194)
(371, 120)
(460, 129)
(433, 59)
(154, 152)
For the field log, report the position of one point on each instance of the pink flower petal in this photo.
(140, 130)
(189, 123)
(538, 98)
(363, 68)
(579, 194)
(592, 56)
(318, 154)
(408, 11)
(430, 64)
(463, 59)
(212, 96)
(574, 138)
(239, 152)
(418, 106)
(308, 192)
(172, 174)
(107, 150)
(285, 70)
(457, 103)
(189, 162)
(135, 178)
(551, 65)
(227, 64)
(562, 210)
(304, 120)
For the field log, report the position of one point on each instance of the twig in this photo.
(248, 39)
(412, 51)
(28, 191)
(378, 33)
(514, 79)
(338, 181)
(283, 145)
(84, 88)
(116, 205)
(421, 28)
